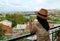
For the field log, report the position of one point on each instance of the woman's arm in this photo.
(32, 28)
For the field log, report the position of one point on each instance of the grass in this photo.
(7, 37)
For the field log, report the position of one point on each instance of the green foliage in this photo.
(57, 34)
(55, 19)
(1, 33)
(7, 37)
(16, 19)
(20, 18)
(8, 17)
(2, 18)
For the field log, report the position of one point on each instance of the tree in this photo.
(20, 18)
(10, 17)
(16, 19)
(2, 18)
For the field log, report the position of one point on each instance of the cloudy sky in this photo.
(28, 5)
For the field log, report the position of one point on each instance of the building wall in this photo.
(7, 29)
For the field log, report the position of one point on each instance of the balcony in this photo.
(54, 35)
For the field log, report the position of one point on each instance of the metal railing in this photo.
(28, 35)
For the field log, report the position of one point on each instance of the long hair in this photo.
(43, 22)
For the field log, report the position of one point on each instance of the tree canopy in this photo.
(16, 19)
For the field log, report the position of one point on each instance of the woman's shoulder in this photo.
(36, 23)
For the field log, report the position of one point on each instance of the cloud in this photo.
(28, 5)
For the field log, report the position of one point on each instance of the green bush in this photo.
(1, 33)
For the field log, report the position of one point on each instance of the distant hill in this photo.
(52, 11)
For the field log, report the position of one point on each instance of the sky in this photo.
(28, 5)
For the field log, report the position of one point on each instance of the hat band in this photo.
(42, 15)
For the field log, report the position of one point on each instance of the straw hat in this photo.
(42, 13)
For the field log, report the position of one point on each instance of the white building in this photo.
(6, 22)
(21, 26)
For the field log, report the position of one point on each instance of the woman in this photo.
(42, 26)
